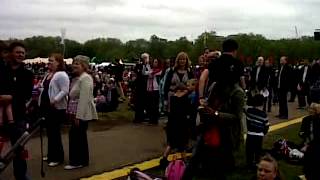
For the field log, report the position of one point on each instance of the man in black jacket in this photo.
(258, 79)
(259, 75)
(225, 107)
(226, 70)
(21, 80)
(271, 84)
(304, 84)
(283, 87)
(140, 88)
(294, 80)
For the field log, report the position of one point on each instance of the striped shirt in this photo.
(257, 121)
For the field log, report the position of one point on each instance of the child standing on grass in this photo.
(258, 126)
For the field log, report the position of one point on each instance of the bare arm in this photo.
(202, 82)
(5, 98)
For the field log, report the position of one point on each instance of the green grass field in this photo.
(110, 119)
(288, 171)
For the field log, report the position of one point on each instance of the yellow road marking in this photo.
(125, 170)
(122, 172)
(285, 124)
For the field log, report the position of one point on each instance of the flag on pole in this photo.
(63, 35)
(205, 39)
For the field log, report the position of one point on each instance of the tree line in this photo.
(108, 49)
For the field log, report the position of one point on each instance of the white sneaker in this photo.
(53, 164)
(44, 158)
(70, 167)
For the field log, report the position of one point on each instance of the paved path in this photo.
(114, 147)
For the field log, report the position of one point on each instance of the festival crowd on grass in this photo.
(209, 104)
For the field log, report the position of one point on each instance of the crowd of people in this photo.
(219, 88)
(204, 103)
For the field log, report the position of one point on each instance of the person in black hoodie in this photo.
(21, 80)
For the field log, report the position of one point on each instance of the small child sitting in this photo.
(258, 126)
(100, 99)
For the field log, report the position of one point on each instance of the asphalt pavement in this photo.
(113, 147)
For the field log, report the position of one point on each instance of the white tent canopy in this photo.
(44, 60)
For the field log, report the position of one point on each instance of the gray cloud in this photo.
(124, 19)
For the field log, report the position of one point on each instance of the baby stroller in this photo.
(136, 174)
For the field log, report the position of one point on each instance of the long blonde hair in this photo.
(182, 55)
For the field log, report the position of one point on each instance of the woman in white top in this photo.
(53, 101)
(152, 96)
(81, 109)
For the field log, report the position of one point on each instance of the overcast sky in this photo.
(171, 19)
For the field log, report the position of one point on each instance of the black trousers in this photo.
(152, 106)
(293, 94)
(253, 149)
(283, 102)
(302, 97)
(216, 162)
(78, 144)
(139, 106)
(53, 124)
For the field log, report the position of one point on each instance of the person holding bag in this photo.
(81, 110)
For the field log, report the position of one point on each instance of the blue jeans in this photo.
(19, 163)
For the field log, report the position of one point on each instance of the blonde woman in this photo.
(81, 109)
(268, 169)
(176, 92)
